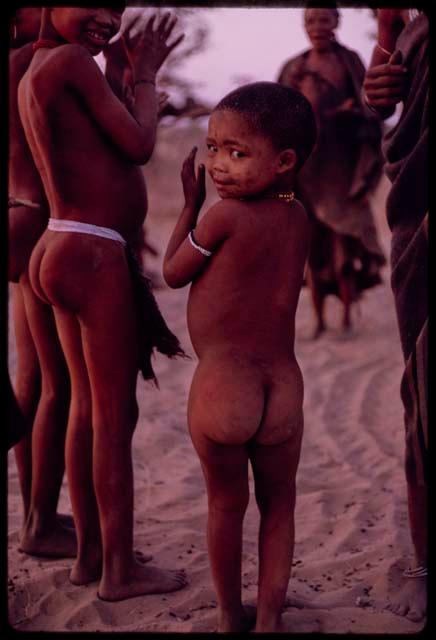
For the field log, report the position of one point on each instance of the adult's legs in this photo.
(43, 533)
(274, 469)
(318, 300)
(27, 388)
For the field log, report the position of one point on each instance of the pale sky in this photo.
(253, 43)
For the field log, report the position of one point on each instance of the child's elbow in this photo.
(142, 154)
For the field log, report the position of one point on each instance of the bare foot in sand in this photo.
(82, 574)
(143, 580)
(411, 601)
(239, 621)
(56, 542)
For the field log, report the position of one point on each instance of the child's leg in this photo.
(78, 454)
(27, 388)
(274, 456)
(225, 410)
(109, 330)
(274, 469)
(43, 534)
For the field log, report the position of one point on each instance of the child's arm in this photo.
(134, 134)
(183, 260)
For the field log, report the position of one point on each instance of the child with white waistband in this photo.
(245, 260)
(41, 389)
(89, 147)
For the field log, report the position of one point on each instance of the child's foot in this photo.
(411, 601)
(275, 625)
(143, 581)
(239, 622)
(59, 542)
(82, 573)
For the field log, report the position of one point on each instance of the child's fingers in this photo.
(149, 27)
(163, 23)
(174, 44)
(166, 32)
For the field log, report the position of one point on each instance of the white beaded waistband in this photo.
(74, 226)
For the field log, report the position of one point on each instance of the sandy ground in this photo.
(352, 536)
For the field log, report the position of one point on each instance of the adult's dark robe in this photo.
(406, 152)
(343, 169)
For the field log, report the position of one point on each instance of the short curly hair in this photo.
(282, 114)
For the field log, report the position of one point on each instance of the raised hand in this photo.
(194, 187)
(385, 84)
(149, 49)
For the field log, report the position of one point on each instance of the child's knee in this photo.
(229, 499)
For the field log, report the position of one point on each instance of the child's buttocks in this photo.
(236, 398)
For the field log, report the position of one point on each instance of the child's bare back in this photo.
(241, 316)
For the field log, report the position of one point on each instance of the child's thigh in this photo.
(226, 402)
(68, 329)
(44, 333)
(26, 351)
(283, 415)
(275, 468)
(110, 332)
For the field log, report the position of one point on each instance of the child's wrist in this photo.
(144, 75)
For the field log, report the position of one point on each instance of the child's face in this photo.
(240, 161)
(90, 27)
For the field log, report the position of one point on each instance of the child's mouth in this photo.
(98, 38)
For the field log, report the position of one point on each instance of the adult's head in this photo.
(320, 25)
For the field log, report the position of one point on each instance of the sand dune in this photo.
(352, 537)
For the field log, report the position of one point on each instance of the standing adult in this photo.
(399, 72)
(334, 184)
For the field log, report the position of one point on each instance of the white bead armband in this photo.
(199, 248)
(418, 572)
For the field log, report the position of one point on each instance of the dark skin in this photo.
(385, 86)
(88, 148)
(245, 402)
(41, 381)
(385, 81)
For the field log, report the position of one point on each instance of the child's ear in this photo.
(287, 161)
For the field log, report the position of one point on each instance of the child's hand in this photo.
(194, 188)
(385, 84)
(148, 50)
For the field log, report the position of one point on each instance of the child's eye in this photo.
(237, 154)
(212, 148)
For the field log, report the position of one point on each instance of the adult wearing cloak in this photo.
(334, 184)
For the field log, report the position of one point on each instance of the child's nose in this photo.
(219, 162)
